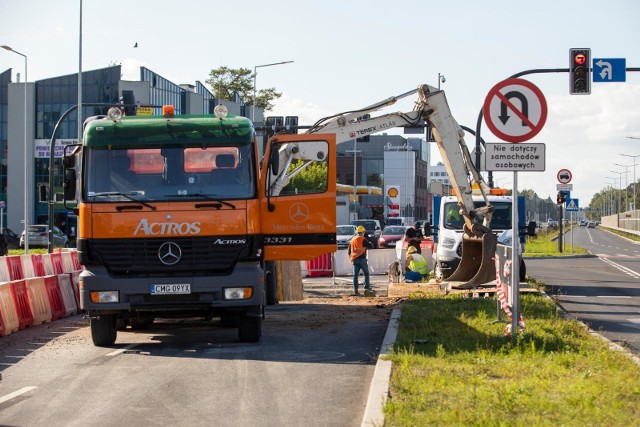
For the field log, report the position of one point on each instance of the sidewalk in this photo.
(334, 286)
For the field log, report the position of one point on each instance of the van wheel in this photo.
(103, 330)
(249, 328)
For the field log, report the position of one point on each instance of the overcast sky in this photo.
(350, 54)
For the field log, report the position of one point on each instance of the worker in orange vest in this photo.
(358, 253)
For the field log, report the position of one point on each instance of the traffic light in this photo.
(291, 124)
(562, 197)
(579, 71)
(273, 125)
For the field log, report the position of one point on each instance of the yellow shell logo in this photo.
(392, 192)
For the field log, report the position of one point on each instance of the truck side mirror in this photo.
(428, 230)
(531, 228)
(69, 184)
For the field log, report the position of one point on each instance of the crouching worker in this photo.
(358, 253)
(415, 266)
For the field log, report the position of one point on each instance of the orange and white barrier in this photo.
(36, 289)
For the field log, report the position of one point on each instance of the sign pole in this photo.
(515, 259)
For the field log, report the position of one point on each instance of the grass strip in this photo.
(453, 366)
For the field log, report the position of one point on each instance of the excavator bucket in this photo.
(477, 266)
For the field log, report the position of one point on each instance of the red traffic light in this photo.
(580, 58)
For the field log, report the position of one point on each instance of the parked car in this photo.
(390, 235)
(39, 237)
(12, 239)
(344, 234)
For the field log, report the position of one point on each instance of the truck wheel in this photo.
(523, 271)
(271, 287)
(103, 330)
(249, 328)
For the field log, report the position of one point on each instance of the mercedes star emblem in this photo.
(169, 253)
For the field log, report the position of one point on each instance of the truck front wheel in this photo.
(104, 330)
(249, 328)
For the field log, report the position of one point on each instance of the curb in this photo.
(379, 390)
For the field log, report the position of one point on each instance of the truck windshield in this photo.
(163, 174)
(501, 219)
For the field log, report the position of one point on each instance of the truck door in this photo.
(298, 213)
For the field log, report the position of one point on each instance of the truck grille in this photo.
(199, 255)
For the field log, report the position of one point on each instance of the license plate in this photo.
(171, 289)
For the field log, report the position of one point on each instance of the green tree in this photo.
(312, 179)
(225, 81)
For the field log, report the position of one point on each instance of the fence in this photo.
(36, 289)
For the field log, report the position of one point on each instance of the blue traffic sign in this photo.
(572, 205)
(606, 70)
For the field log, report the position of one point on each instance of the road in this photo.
(313, 367)
(604, 290)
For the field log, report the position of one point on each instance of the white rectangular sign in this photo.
(515, 157)
(564, 187)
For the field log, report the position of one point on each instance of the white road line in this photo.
(17, 393)
(122, 350)
(597, 296)
(621, 268)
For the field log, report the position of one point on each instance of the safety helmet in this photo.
(360, 229)
(411, 249)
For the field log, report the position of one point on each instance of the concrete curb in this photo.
(379, 389)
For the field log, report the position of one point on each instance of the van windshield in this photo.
(501, 219)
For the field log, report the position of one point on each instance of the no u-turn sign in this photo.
(515, 110)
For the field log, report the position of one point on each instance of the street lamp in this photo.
(255, 73)
(355, 179)
(620, 188)
(634, 176)
(26, 152)
(626, 183)
(442, 79)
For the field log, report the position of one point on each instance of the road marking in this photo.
(17, 393)
(597, 296)
(122, 350)
(621, 268)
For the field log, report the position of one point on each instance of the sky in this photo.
(350, 54)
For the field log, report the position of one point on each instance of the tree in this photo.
(225, 81)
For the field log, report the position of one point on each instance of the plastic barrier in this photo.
(21, 303)
(38, 265)
(342, 264)
(28, 269)
(321, 266)
(38, 300)
(5, 276)
(14, 263)
(68, 263)
(74, 276)
(58, 310)
(68, 296)
(9, 320)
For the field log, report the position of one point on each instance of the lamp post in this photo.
(26, 152)
(619, 188)
(634, 176)
(255, 73)
(442, 79)
(626, 184)
(355, 179)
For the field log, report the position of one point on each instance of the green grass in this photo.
(452, 366)
(544, 245)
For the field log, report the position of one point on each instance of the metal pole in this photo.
(515, 256)
(80, 78)
(255, 73)
(634, 175)
(26, 155)
(355, 180)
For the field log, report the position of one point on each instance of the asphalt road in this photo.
(313, 367)
(603, 290)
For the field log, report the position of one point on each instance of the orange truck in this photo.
(179, 217)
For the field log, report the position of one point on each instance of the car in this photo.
(390, 235)
(583, 223)
(591, 224)
(344, 234)
(12, 239)
(372, 229)
(39, 237)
